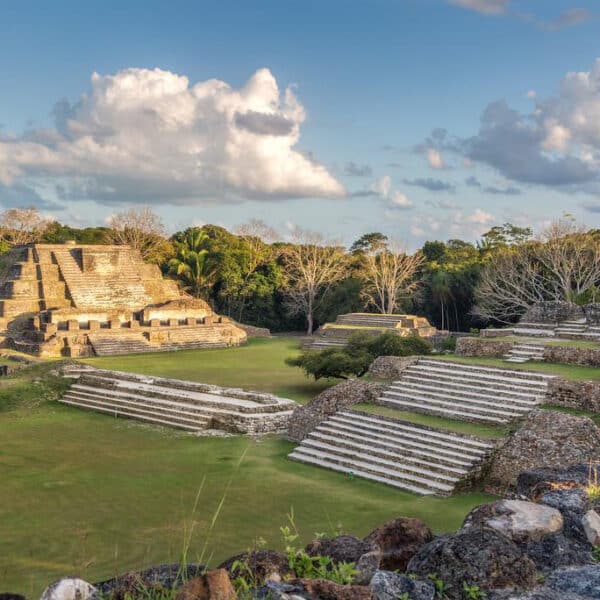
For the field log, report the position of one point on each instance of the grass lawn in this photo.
(485, 431)
(574, 372)
(83, 493)
(259, 365)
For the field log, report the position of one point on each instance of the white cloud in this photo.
(383, 186)
(400, 200)
(144, 135)
(557, 144)
(435, 159)
(486, 7)
(480, 217)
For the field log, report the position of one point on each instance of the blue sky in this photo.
(425, 119)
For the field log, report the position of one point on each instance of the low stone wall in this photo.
(592, 312)
(552, 312)
(327, 403)
(253, 331)
(568, 355)
(391, 367)
(581, 395)
(474, 346)
(495, 333)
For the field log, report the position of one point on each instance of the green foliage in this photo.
(596, 554)
(449, 343)
(354, 358)
(473, 592)
(314, 567)
(439, 584)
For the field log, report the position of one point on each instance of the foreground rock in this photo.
(214, 585)
(546, 439)
(69, 589)
(474, 556)
(338, 397)
(261, 565)
(386, 585)
(518, 520)
(399, 540)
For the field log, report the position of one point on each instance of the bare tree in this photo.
(141, 229)
(389, 274)
(313, 265)
(511, 282)
(259, 238)
(562, 265)
(21, 226)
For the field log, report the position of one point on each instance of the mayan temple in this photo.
(83, 300)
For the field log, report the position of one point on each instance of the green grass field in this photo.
(87, 494)
(259, 365)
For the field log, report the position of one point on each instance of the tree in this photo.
(192, 263)
(141, 229)
(21, 226)
(313, 266)
(504, 235)
(368, 242)
(388, 272)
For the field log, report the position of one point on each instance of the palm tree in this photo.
(441, 293)
(193, 263)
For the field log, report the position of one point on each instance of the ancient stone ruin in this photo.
(337, 334)
(82, 300)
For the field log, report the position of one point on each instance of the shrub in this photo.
(353, 360)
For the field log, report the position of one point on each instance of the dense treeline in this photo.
(255, 277)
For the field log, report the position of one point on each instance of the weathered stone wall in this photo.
(493, 333)
(568, 355)
(253, 331)
(338, 397)
(552, 312)
(582, 395)
(547, 438)
(391, 367)
(592, 312)
(474, 346)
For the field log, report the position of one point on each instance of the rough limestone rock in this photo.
(480, 557)
(583, 581)
(264, 565)
(214, 585)
(582, 395)
(338, 397)
(518, 520)
(69, 589)
(344, 548)
(11, 596)
(557, 551)
(399, 540)
(162, 576)
(476, 346)
(546, 439)
(591, 526)
(328, 590)
(553, 312)
(542, 593)
(386, 585)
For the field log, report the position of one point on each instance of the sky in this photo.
(422, 119)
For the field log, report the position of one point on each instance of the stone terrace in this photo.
(176, 403)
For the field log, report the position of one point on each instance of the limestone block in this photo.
(134, 324)
(190, 321)
(210, 319)
(154, 322)
(591, 526)
(114, 324)
(50, 328)
(35, 322)
(93, 325)
(173, 322)
(72, 325)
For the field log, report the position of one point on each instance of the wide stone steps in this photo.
(400, 454)
(186, 404)
(466, 392)
(117, 411)
(123, 344)
(521, 353)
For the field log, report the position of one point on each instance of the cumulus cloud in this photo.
(355, 170)
(486, 7)
(434, 158)
(558, 143)
(433, 185)
(395, 199)
(400, 200)
(144, 135)
(508, 190)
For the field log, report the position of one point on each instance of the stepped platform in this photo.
(410, 457)
(332, 335)
(467, 392)
(81, 300)
(187, 405)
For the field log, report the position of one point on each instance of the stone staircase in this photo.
(401, 454)
(524, 352)
(535, 329)
(107, 344)
(466, 392)
(181, 404)
(370, 320)
(571, 328)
